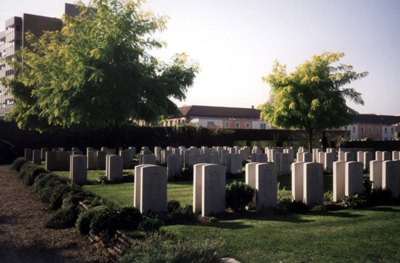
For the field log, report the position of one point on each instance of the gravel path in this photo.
(23, 237)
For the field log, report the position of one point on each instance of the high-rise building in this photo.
(13, 38)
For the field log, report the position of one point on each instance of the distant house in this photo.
(374, 127)
(218, 117)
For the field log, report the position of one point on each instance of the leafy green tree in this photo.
(312, 97)
(98, 71)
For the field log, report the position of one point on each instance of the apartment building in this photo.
(374, 127)
(13, 38)
(218, 117)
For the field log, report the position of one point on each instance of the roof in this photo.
(222, 112)
(376, 119)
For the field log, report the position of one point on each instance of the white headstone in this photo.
(353, 178)
(313, 192)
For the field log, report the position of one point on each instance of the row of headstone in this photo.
(307, 182)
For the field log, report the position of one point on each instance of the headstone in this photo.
(328, 161)
(307, 157)
(299, 157)
(28, 154)
(157, 153)
(378, 156)
(174, 165)
(208, 189)
(234, 163)
(395, 155)
(36, 157)
(353, 178)
(101, 160)
(386, 156)
(147, 159)
(91, 159)
(78, 170)
(51, 161)
(375, 173)
(367, 159)
(313, 193)
(339, 172)
(391, 177)
(150, 188)
(297, 181)
(114, 168)
(266, 185)
(43, 153)
(321, 158)
(315, 155)
(285, 164)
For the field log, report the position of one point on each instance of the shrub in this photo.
(173, 206)
(62, 218)
(354, 201)
(129, 218)
(76, 195)
(85, 218)
(46, 188)
(105, 223)
(150, 223)
(328, 196)
(155, 249)
(58, 194)
(29, 175)
(238, 195)
(18, 163)
(186, 174)
(26, 169)
(379, 196)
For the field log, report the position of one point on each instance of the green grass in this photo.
(368, 235)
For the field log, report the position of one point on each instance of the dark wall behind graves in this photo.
(13, 140)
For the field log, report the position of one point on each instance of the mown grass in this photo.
(368, 235)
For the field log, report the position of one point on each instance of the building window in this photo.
(262, 126)
(210, 124)
(248, 125)
(237, 125)
(385, 130)
(392, 130)
(354, 129)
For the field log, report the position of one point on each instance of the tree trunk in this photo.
(310, 137)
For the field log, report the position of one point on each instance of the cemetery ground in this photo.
(359, 235)
(23, 237)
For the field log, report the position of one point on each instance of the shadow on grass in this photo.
(341, 214)
(383, 209)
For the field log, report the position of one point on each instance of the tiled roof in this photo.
(222, 112)
(376, 119)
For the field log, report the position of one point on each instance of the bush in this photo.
(105, 223)
(379, 196)
(29, 175)
(354, 201)
(85, 218)
(179, 215)
(155, 249)
(58, 194)
(129, 218)
(49, 189)
(238, 195)
(76, 195)
(150, 223)
(173, 206)
(62, 218)
(18, 163)
(26, 169)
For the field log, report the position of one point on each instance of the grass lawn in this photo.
(368, 235)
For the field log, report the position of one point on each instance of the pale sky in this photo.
(236, 43)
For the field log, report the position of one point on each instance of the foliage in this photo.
(62, 218)
(150, 223)
(104, 223)
(355, 201)
(18, 163)
(239, 195)
(178, 214)
(85, 218)
(98, 71)
(173, 206)
(30, 171)
(379, 196)
(129, 218)
(312, 97)
(59, 193)
(328, 196)
(155, 249)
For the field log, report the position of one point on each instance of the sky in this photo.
(236, 42)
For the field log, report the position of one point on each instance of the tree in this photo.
(98, 71)
(312, 97)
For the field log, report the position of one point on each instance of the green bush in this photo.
(178, 214)
(62, 218)
(29, 175)
(76, 195)
(85, 218)
(379, 196)
(105, 223)
(239, 195)
(58, 194)
(156, 249)
(354, 201)
(18, 163)
(26, 169)
(48, 186)
(129, 218)
(150, 223)
(173, 206)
